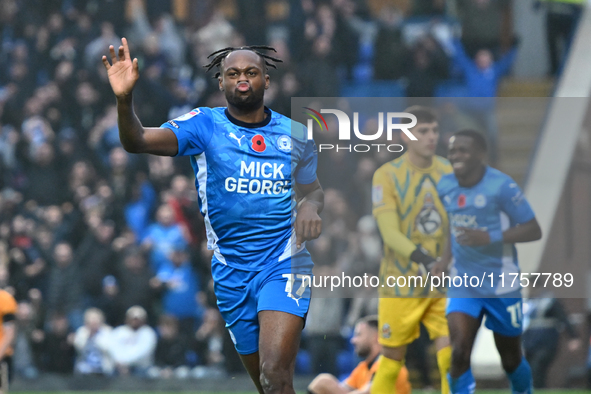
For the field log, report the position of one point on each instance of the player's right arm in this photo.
(385, 210)
(123, 74)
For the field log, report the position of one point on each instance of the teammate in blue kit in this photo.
(249, 162)
(488, 214)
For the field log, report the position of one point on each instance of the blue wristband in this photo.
(495, 236)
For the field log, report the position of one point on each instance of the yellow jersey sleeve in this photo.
(382, 194)
(386, 211)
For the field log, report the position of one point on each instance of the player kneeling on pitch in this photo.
(365, 341)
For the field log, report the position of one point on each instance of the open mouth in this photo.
(458, 165)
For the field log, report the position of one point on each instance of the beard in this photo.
(363, 352)
(245, 102)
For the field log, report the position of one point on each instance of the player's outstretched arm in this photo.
(123, 73)
(308, 224)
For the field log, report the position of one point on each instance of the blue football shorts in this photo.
(241, 295)
(504, 316)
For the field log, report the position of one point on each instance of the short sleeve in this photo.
(306, 170)
(193, 131)
(382, 194)
(513, 203)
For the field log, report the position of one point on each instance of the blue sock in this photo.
(465, 384)
(521, 379)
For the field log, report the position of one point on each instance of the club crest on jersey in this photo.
(480, 201)
(462, 200)
(257, 143)
(428, 220)
(386, 331)
(284, 143)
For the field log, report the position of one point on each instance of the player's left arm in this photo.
(308, 224)
(525, 232)
(514, 204)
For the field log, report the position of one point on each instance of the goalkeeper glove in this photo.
(424, 261)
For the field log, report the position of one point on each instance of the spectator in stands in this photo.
(24, 356)
(57, 223)
(170, 358)
(129, 287)
(95, 48)
(56, 346)
(482, 76)
(181, 294)
(91, 342)
(486, 24)
(182, 198)
(482, 73)
(365, 341)
(95, 257)
(210, 339)
(42, 175)
(317, 72)
(26, 264)
(391, 54)
(429, 66)
(162, 236)
(64, 288)
(133, 344)
(141, 198)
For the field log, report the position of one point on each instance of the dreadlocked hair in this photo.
(219, 56)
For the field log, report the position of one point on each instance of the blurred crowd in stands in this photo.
(104, 250)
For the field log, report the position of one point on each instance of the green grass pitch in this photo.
(252, 392)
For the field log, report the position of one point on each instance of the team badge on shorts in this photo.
(284, 143)
(386, 331)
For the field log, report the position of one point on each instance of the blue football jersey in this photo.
(244, 175)
(494, 204)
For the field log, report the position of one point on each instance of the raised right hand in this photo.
(123, 72)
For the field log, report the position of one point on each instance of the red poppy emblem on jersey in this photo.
(462, 201)
(258, 143)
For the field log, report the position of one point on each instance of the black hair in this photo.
(371, 321)
(219, 56)
(477, 137)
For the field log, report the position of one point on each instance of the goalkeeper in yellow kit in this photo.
(413, 225)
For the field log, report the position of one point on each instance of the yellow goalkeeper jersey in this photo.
(406, 196)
